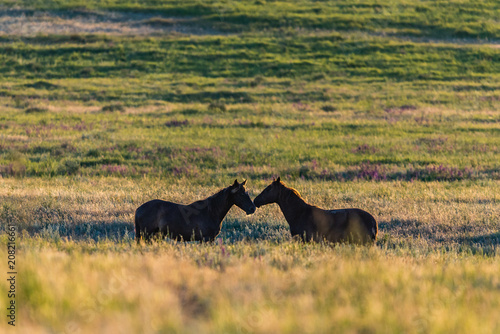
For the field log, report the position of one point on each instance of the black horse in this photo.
(201, 220)
(315, 224)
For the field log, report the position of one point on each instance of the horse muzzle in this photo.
(251, 210)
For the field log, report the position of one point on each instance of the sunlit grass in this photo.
(254, 287)
(389, 107)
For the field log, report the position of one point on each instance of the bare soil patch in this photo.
(29, 23)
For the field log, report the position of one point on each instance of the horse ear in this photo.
(278, 179)
(243, 183)
(235, 183)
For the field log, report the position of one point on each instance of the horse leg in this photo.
(150, 235)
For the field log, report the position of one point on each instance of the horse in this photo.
(311, 223)
(198, 221)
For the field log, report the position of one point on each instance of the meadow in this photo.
(392, 107)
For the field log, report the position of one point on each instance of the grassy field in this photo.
(392, 107)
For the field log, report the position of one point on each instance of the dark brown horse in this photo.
(201, 220)
(312, 223)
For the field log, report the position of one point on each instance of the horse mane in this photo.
(217, 193)
(211, 208)
(293, 190)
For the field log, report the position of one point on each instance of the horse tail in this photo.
(374, 228)
(137, 229)
(371, 225)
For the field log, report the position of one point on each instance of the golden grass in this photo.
(435, 268)
(439, 212)
(249, 287)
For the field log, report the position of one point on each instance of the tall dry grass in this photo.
(81, 287)
(434, 269)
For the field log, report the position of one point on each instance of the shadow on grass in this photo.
(118, 231)
(233, 230)
(468, 238)
(484, 240)
(393, 234)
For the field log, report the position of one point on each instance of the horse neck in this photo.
(291, 204)
(219, 205)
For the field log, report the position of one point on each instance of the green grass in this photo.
(455, 18)
(392, 107)
(295, 55)
(296, 140)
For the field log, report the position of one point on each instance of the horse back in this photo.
(354, 225)
(154, 208)
(150, 216)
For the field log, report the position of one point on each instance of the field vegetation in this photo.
(392, 107)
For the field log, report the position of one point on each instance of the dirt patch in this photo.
(30, 23)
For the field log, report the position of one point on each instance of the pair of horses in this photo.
(202, 220)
